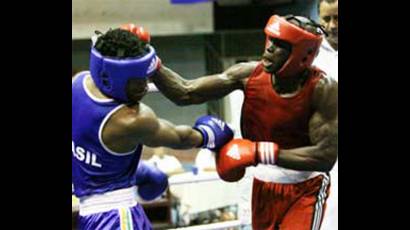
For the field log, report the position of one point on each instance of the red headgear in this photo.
(305, 45)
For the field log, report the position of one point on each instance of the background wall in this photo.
(160, 17)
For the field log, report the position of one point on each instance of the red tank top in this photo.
(268, 117)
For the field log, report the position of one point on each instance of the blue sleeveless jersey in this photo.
(95, 168)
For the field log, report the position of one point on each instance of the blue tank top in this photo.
(95, 168)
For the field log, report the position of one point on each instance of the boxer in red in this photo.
(289, 121)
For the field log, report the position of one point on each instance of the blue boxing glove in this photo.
(151, 181)
(215, 132)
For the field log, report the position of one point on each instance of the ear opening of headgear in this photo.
(305, 45)
(111, 74)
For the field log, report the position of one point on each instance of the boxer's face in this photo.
(136, 89)
(278, 51)
(328, 13)
(275, 55)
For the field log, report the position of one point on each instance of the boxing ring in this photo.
(202, 192)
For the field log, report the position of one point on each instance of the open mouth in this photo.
(267, 62)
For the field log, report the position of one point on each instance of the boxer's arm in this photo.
(185, 92)
(323, 132)
(140, 125)
(159, 132)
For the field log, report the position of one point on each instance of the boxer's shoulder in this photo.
(134, 119)
(240, 72)
(325, 88)
(325, 99)
(79, 75)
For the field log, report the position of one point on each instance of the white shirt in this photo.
(327, 60)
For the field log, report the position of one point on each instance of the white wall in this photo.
(160, 17)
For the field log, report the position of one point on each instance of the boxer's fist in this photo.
(141, 33)
(236, 155)
(151, 181)
(215, 132)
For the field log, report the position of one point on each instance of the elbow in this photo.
(326, 163)
(188, 99)
(186, 96)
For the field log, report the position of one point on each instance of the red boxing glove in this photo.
(236, 155)
(141, 33)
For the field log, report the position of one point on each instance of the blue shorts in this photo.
(132, 218)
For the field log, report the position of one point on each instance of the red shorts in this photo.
(289, 206)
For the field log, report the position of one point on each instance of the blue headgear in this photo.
(111, 75)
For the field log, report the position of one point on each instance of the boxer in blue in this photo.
(110, 125)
